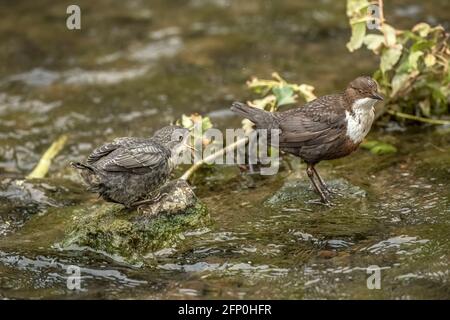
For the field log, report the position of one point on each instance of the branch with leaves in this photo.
(414, 72)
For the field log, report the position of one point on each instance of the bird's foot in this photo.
(151, 200)
(326, 202)
(325, 192)
(332, 191)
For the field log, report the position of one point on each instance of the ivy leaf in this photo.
(356, 6)
(266, 103)
(284, 95)
(389, 34)
(413, 58)
(378, 148)
(306, 91)
(398, 82)
(390, 57)
(422, 45)
(425, 107)
(206, 123)
(373, 42)
(186, 121)
(423, 29)
(430, 60)
(358, 33)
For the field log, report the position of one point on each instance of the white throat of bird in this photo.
(360, 119)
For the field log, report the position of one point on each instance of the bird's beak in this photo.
(377, 96)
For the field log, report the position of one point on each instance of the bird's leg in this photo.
(310, 172)
(322, 183)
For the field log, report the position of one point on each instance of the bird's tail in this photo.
(261, 118)
(89, 175)
(81, 166)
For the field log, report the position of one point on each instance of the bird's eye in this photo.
(180, 138)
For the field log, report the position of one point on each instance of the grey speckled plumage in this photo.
(128, 169)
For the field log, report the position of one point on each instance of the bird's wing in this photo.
(107, 148)
(140, 158)
(317, 122)
(101, 151)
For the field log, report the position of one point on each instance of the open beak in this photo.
(377, 96)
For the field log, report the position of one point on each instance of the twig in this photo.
(212, 157)
(416, 118)
(44, 163)
(380, 7)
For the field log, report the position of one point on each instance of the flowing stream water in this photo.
(137, 65)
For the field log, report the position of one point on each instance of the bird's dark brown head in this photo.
(361, 88)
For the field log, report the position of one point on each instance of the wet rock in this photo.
(35, 195)
(326, 254)
(132, 233)
(299, 192)
(21, 198)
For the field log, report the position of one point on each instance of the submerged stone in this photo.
(300, 192)
(132, 233)
(21, 198)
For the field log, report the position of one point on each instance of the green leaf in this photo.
(430, 60)
(378, 147)
(422, 29)
(390, 57)
(398, 82)
(186, 121)
(206, 123)
(358, 33)
(425, 107)
(413, 58)
(389, 34)
(422, 45)
(409, 35)
(373, 42)
(306, 91)
(284, 95)
(355, 6)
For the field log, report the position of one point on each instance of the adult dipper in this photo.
(129, 169)
(326, 128)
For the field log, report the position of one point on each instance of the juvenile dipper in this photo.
(326, 128)
(128, 169)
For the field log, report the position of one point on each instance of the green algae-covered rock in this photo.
(132, 233)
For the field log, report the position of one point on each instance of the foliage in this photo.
(378, 147)
(190, 121)
(198, 122)
(276, 93)
(414, 70)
